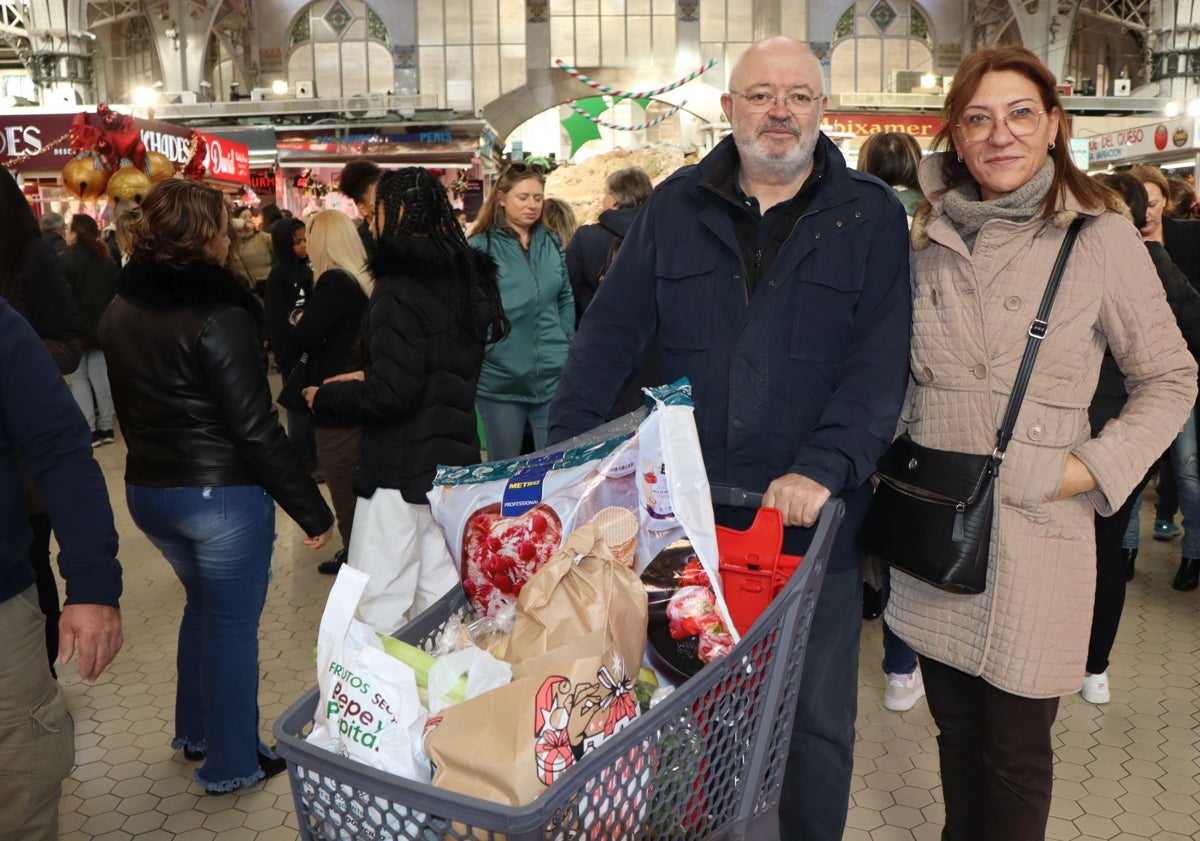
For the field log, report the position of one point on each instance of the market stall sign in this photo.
(439, 142)
(1157, 140)
(864, 125)
(262, 180)
(228, 161)
(34, 135)
(31, 135)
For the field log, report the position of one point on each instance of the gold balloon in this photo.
(83, 180)
(128, 184)
(160, 166)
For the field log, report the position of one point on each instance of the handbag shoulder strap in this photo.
(1037, 332)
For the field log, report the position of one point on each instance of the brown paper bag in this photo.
(576, 648)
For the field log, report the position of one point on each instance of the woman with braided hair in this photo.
(435, 305)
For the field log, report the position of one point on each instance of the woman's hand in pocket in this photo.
(1076, 479)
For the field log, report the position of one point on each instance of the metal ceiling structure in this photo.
(231, 23)
(990, 19)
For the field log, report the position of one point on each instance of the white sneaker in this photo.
(902, 691)
(1095, 689)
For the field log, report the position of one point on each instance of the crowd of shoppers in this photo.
(411, 330)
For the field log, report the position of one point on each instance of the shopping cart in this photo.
(705, 763)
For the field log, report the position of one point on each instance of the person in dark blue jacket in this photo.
(44, 426)
(777, 281)
(591, 251)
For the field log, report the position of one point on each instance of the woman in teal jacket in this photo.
(521, 371)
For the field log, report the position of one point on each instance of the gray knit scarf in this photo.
(964, 207)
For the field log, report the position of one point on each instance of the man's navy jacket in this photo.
(804, 374)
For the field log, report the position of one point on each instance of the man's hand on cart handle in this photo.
(797, 497)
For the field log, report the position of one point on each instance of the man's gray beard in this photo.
(763, 164)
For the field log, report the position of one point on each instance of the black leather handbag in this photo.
(931, 516)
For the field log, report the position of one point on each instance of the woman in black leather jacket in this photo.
(207, 461)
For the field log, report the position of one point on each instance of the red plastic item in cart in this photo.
(753, 569)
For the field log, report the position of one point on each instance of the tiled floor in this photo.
(1125, 771)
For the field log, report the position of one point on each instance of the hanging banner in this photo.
(38, 143)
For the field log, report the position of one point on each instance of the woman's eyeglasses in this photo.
(1020, 122)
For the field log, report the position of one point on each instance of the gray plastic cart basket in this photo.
(705, 763)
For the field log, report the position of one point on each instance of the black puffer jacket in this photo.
(189, 384)
(417, 403)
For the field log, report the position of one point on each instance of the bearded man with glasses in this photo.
(775, 279)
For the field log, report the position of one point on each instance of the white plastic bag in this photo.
(368, 708)
(483, 671)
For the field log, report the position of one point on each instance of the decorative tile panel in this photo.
(845, 25)
(376, 28)
(918, 27)
(338, 17)
(300, 32)
(404, 56)
(883, 15)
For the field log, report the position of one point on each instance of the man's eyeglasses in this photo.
(979, 126)
(758, 102)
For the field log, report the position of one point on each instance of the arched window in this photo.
(342, 47)
(134, 60)
(875, 41)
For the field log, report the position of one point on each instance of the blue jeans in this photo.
(898, 657)
(504, 425)
(816, 779)
(1187, 480)
(219, 541)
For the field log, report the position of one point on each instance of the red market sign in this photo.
(38, 143)
(919, 126)
(30, 136)
(228, 161)
(262, 180)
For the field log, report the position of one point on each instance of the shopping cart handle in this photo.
(735, 497)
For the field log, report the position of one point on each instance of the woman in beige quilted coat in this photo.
(1002, 196)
